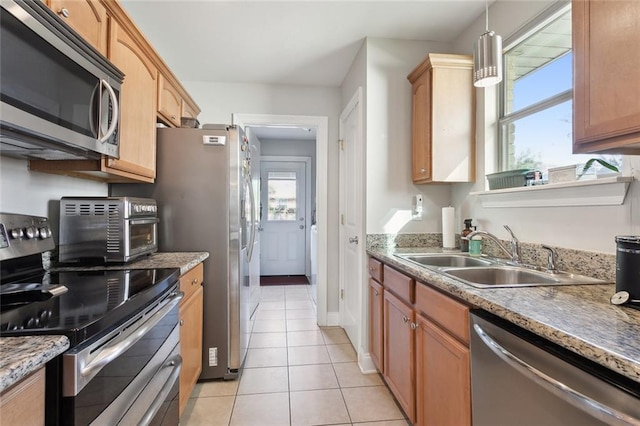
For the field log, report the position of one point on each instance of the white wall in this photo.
(583, 228)
(26, 192)
(218, 101)
(388, 139)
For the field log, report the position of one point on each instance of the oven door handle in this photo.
(579, 400)
(110, 352)
(176, 363)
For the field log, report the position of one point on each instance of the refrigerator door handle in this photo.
(252, 201)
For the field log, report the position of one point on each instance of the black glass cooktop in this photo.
(80, 305)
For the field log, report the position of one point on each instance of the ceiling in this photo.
(295, 42)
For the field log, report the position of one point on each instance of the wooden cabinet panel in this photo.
(376, 327)
(192, 280)
(443, 119)
(169, 102)
(606, 103)
(137, 105)
(23, 403)
(399, 284)
(87, 17)
(190, 343)
(443, 393)
(188, 110)
(375, 269)
(399, 349)
(451, 315)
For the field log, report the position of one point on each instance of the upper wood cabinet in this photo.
(169, 102)
(443, 119)
(87, 17)
(606, 36)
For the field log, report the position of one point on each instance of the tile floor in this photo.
(295, 374)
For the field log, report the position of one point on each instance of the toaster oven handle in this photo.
(115, 114)
(144, 221)
(112, 351)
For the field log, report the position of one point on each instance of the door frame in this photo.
(307, 201)
(362, 343)
(321, 124)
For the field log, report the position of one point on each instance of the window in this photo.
(282, 189)
(536, 117)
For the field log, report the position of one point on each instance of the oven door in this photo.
(129, 376)
(141, 236)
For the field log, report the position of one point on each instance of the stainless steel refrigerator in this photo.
(206, 188)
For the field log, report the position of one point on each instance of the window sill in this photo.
(598, 192)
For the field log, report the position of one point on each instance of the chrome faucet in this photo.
(514, 254)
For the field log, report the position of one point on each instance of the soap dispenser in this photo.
(464, 242)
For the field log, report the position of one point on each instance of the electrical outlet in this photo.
(416, 211)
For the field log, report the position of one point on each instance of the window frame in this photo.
(536, 24)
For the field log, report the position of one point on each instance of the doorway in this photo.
(321, 126)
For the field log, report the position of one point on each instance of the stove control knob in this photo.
(16, 233)
(31, 232)
(44, 316)
(44, 232)
(30, 323)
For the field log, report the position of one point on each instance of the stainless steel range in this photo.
(123, 363)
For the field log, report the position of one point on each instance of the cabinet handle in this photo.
(173, 117)
(405, 319)
(414, 326)
(372, 270)
(64, 12)
(423, 171)
(194, 282)
(376, 292)
(181, 322)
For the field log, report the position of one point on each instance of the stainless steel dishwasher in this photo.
(519, 378)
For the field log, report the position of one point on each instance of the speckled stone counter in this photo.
(579, 318)
(21, 356)
(183, 260)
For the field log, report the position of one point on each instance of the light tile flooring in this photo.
(295, 374)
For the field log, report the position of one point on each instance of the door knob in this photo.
(353, 240)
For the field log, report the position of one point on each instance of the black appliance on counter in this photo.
(123, 363)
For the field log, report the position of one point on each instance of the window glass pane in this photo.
(539, 67)
(282, 187)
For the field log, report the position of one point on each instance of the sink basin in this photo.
(513, 276)
(445, 260)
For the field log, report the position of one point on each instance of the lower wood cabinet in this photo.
(191, 308)
(443, 392)
(399, 349)
(23, 403)
(425, 357)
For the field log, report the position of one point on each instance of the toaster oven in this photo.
(107, 229)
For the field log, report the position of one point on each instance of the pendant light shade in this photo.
(487, 58)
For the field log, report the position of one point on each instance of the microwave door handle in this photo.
(115, 113)
(579, 400)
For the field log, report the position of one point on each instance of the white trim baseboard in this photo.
(366, 363)
(333, 319)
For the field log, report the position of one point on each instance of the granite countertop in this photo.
(579, 318)
(183, 260)
(21, 356)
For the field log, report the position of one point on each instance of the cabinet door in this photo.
(376, 307)
(188, 110)
(399, 347)
(23, 403)
(137, 105)
(421, 128)
(606, 106)
(87, 17)
(190, 344)
(169, 102)
(443, 382)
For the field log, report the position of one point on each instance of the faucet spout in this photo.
(513, 252)
(491, 237)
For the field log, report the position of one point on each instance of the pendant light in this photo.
(487, 57)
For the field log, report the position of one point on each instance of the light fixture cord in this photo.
(486, 16)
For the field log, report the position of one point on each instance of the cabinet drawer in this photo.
(191, 281)
(450, 314)
(399, 284)
(375, 269)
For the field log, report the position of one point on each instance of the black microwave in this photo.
(59, 97)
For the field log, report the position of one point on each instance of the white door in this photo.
(283, 239)
(351, 236)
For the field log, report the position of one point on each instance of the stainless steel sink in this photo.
(514, 276)
(440, 260)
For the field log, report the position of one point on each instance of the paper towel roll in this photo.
(448, 227)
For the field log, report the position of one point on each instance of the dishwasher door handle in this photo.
(589, 405)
